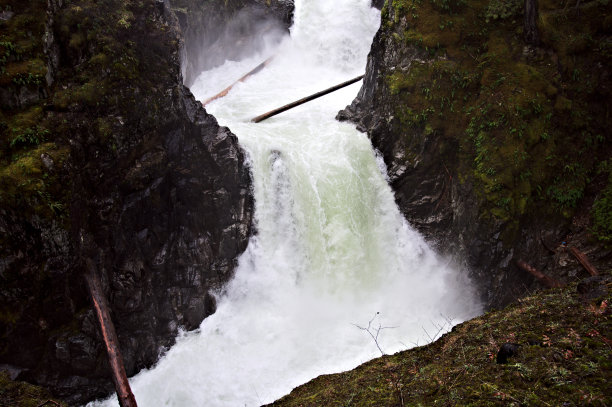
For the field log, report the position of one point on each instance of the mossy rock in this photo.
(532, 122)
(21, 394)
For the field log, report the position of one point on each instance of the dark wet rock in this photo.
(15, 96)
(378, 3)
(47, 161)
(530, 27)
(12, 371)
(505, 351)
(155, 193)
(50, 46)
(595, 287)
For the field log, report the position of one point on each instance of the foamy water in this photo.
(332, 249)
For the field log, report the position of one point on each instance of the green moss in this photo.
(21, 394)
(27, 184)
(602, 214)
(112, 53)
(527, 123)
(25, 131)
(77, 40)
(502, 9)
(21, 49)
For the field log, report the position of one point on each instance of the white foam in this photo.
(332, 248)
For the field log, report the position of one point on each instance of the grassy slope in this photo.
(533, 124)
(569, 361)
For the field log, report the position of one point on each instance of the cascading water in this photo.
(331, 248)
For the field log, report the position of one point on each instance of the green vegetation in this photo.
(602, 212)
(532, 123)
(117, 70)
(25, 129)
(21, 394)
(564, 358)
(502, 9)
(102, 75)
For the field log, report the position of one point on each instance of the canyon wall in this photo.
(498, 149)
(107, 156)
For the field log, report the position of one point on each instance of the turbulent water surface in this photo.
(331, 252)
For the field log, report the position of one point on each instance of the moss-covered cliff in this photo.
(563, 358)
(497, 148)
(106, 156)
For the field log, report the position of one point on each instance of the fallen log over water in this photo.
(304, 100)
(122, 386)
(242, 79)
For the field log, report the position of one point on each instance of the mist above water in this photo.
(332, 250)
(248, 32)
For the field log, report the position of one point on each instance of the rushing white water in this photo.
(331, 248)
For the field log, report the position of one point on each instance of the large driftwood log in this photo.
(122, 386)
(304, 100)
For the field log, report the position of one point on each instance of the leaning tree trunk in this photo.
(530, 25)
(109, 335)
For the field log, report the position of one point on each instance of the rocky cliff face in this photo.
(114, 161)
(478, 130)
(217, 30)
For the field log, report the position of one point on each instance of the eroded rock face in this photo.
(160, 200)
(427, 170)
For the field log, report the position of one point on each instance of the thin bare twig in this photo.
(441, 327)
(374, 332)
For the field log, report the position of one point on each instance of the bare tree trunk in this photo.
(530, 24)
(122, 386)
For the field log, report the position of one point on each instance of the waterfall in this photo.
(331, 252)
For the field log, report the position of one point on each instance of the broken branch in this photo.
(542, 278)
(242, 79)
(582, 258)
